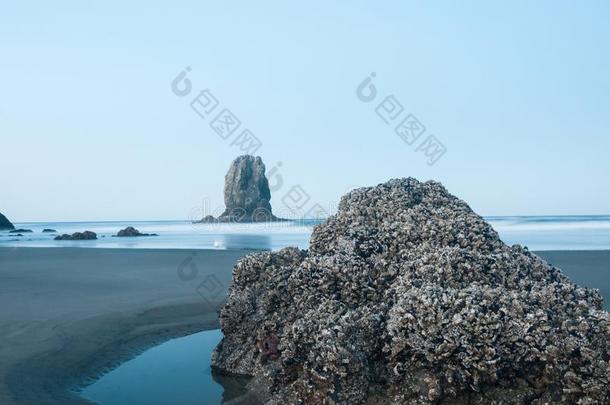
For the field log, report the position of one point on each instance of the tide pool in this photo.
(175, 372)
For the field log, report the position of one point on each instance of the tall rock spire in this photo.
(246, 192)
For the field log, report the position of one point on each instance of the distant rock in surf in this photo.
(46, 230)
(130, 231)
(406, 296)
(21, 231)
(5, 223)
(246, 193)
(87, 235)
(208, 219)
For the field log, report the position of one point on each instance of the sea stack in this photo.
(407, 296)
(246, 192)
(5, 223)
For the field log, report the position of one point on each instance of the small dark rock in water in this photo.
(5, 223)
(131, 231)
(87, 235)
(21, 231)
(406, 296)
(48, 230)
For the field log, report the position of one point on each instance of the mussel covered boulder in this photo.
(407, 296)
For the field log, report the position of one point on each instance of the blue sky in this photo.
(518, 93)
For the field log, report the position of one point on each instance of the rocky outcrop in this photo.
(246, 192)
(208, 219)
(5, 223)
(131, 231)
(48, 230)
(407, 296)
(87, 235)
(21, 231)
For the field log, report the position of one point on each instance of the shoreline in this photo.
(37, 377)
(69, 315)
(152, 305)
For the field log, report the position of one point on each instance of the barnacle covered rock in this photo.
(407, 296)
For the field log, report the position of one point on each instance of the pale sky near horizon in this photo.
(518, 92)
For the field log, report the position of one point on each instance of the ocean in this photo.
(535, 232)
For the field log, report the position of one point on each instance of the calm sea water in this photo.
(537, 233)
(172, 235)
(555, 232)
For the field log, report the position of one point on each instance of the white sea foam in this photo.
(538, 233)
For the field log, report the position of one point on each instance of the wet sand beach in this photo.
(590, 268)
(68, 314)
